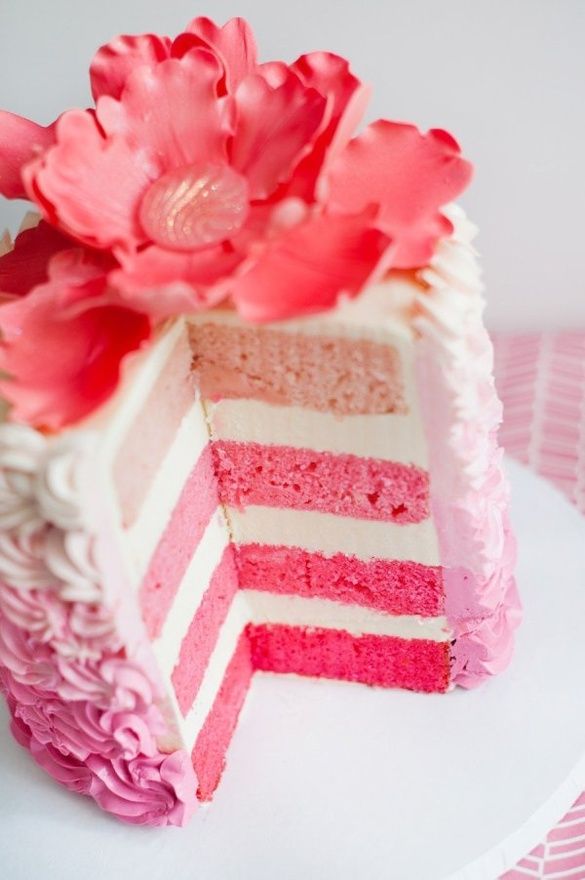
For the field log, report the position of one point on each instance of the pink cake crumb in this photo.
(180, 539)
(324, 373)
(208, 754)
(201, 636)
(153, 430)
(392, 586)
(386, 661)
(304, 479)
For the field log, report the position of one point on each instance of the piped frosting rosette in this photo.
(73, 661)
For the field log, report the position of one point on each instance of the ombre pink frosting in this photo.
(78, 673)
(469, 491)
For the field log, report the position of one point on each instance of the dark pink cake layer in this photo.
(386, 661)
(201, 636)
(392, 586)
(180, 539)
(153, 431)
(214, 738)
(303, 479)
(329, 374)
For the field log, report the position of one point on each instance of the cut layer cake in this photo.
(253, 420)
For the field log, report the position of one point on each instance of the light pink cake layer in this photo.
(198, 501)
(198, 643)
(329, 374)
(208, 754)
(153, 430)
(385, 585)
(386, 661)
(303, 479)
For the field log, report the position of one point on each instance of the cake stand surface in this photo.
(327, 779)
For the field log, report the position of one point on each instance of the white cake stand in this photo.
(327, 779)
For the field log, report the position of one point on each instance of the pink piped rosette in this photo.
(200, 176)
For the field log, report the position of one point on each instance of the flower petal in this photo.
(274, 128)
(25, 266)
(20, 141)
(62, 363)
(347, 97)
(114, 62)
(91, 185)
(310, 266)
(410, 175)
(171, 112)
(163, 283)
(233, 43)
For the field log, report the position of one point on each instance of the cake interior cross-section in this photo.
(272, 494)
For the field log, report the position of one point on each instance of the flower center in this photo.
(194, 206)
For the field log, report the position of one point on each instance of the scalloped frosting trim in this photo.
(75, 664)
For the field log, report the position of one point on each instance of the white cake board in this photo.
(326, 779)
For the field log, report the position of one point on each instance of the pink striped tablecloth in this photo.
(541, 380)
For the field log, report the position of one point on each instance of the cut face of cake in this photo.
(321, 497)
(252, 420)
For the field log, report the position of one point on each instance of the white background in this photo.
(507, 77)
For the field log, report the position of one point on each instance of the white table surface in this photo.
(327, 779)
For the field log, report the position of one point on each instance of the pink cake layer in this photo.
(208, 754)
(180, 539)
(153, 430)
(329, 374)
(303, 479)
(392, 586)
(201, 636)
(385, 661)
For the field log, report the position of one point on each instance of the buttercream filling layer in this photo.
(328, 534)
(387, 436)
(304, 479)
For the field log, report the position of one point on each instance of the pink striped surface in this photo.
(541, 380)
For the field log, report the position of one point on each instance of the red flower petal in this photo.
(25, 266)
(90, 185)
(309, 267)
(20, 141)
(410, 175)
(346, 97)
(274, 127)
(115, 61)
(233, 43)
(171, 112)
(63, 363)
(163, 283)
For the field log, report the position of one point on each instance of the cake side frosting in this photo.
(469, 491)
(216, 308)
(78, 673)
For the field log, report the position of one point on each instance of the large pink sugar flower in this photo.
(64, 335)
(208, 175)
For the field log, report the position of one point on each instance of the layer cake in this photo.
(278, 483)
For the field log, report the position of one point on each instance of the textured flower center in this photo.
(195, 206)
